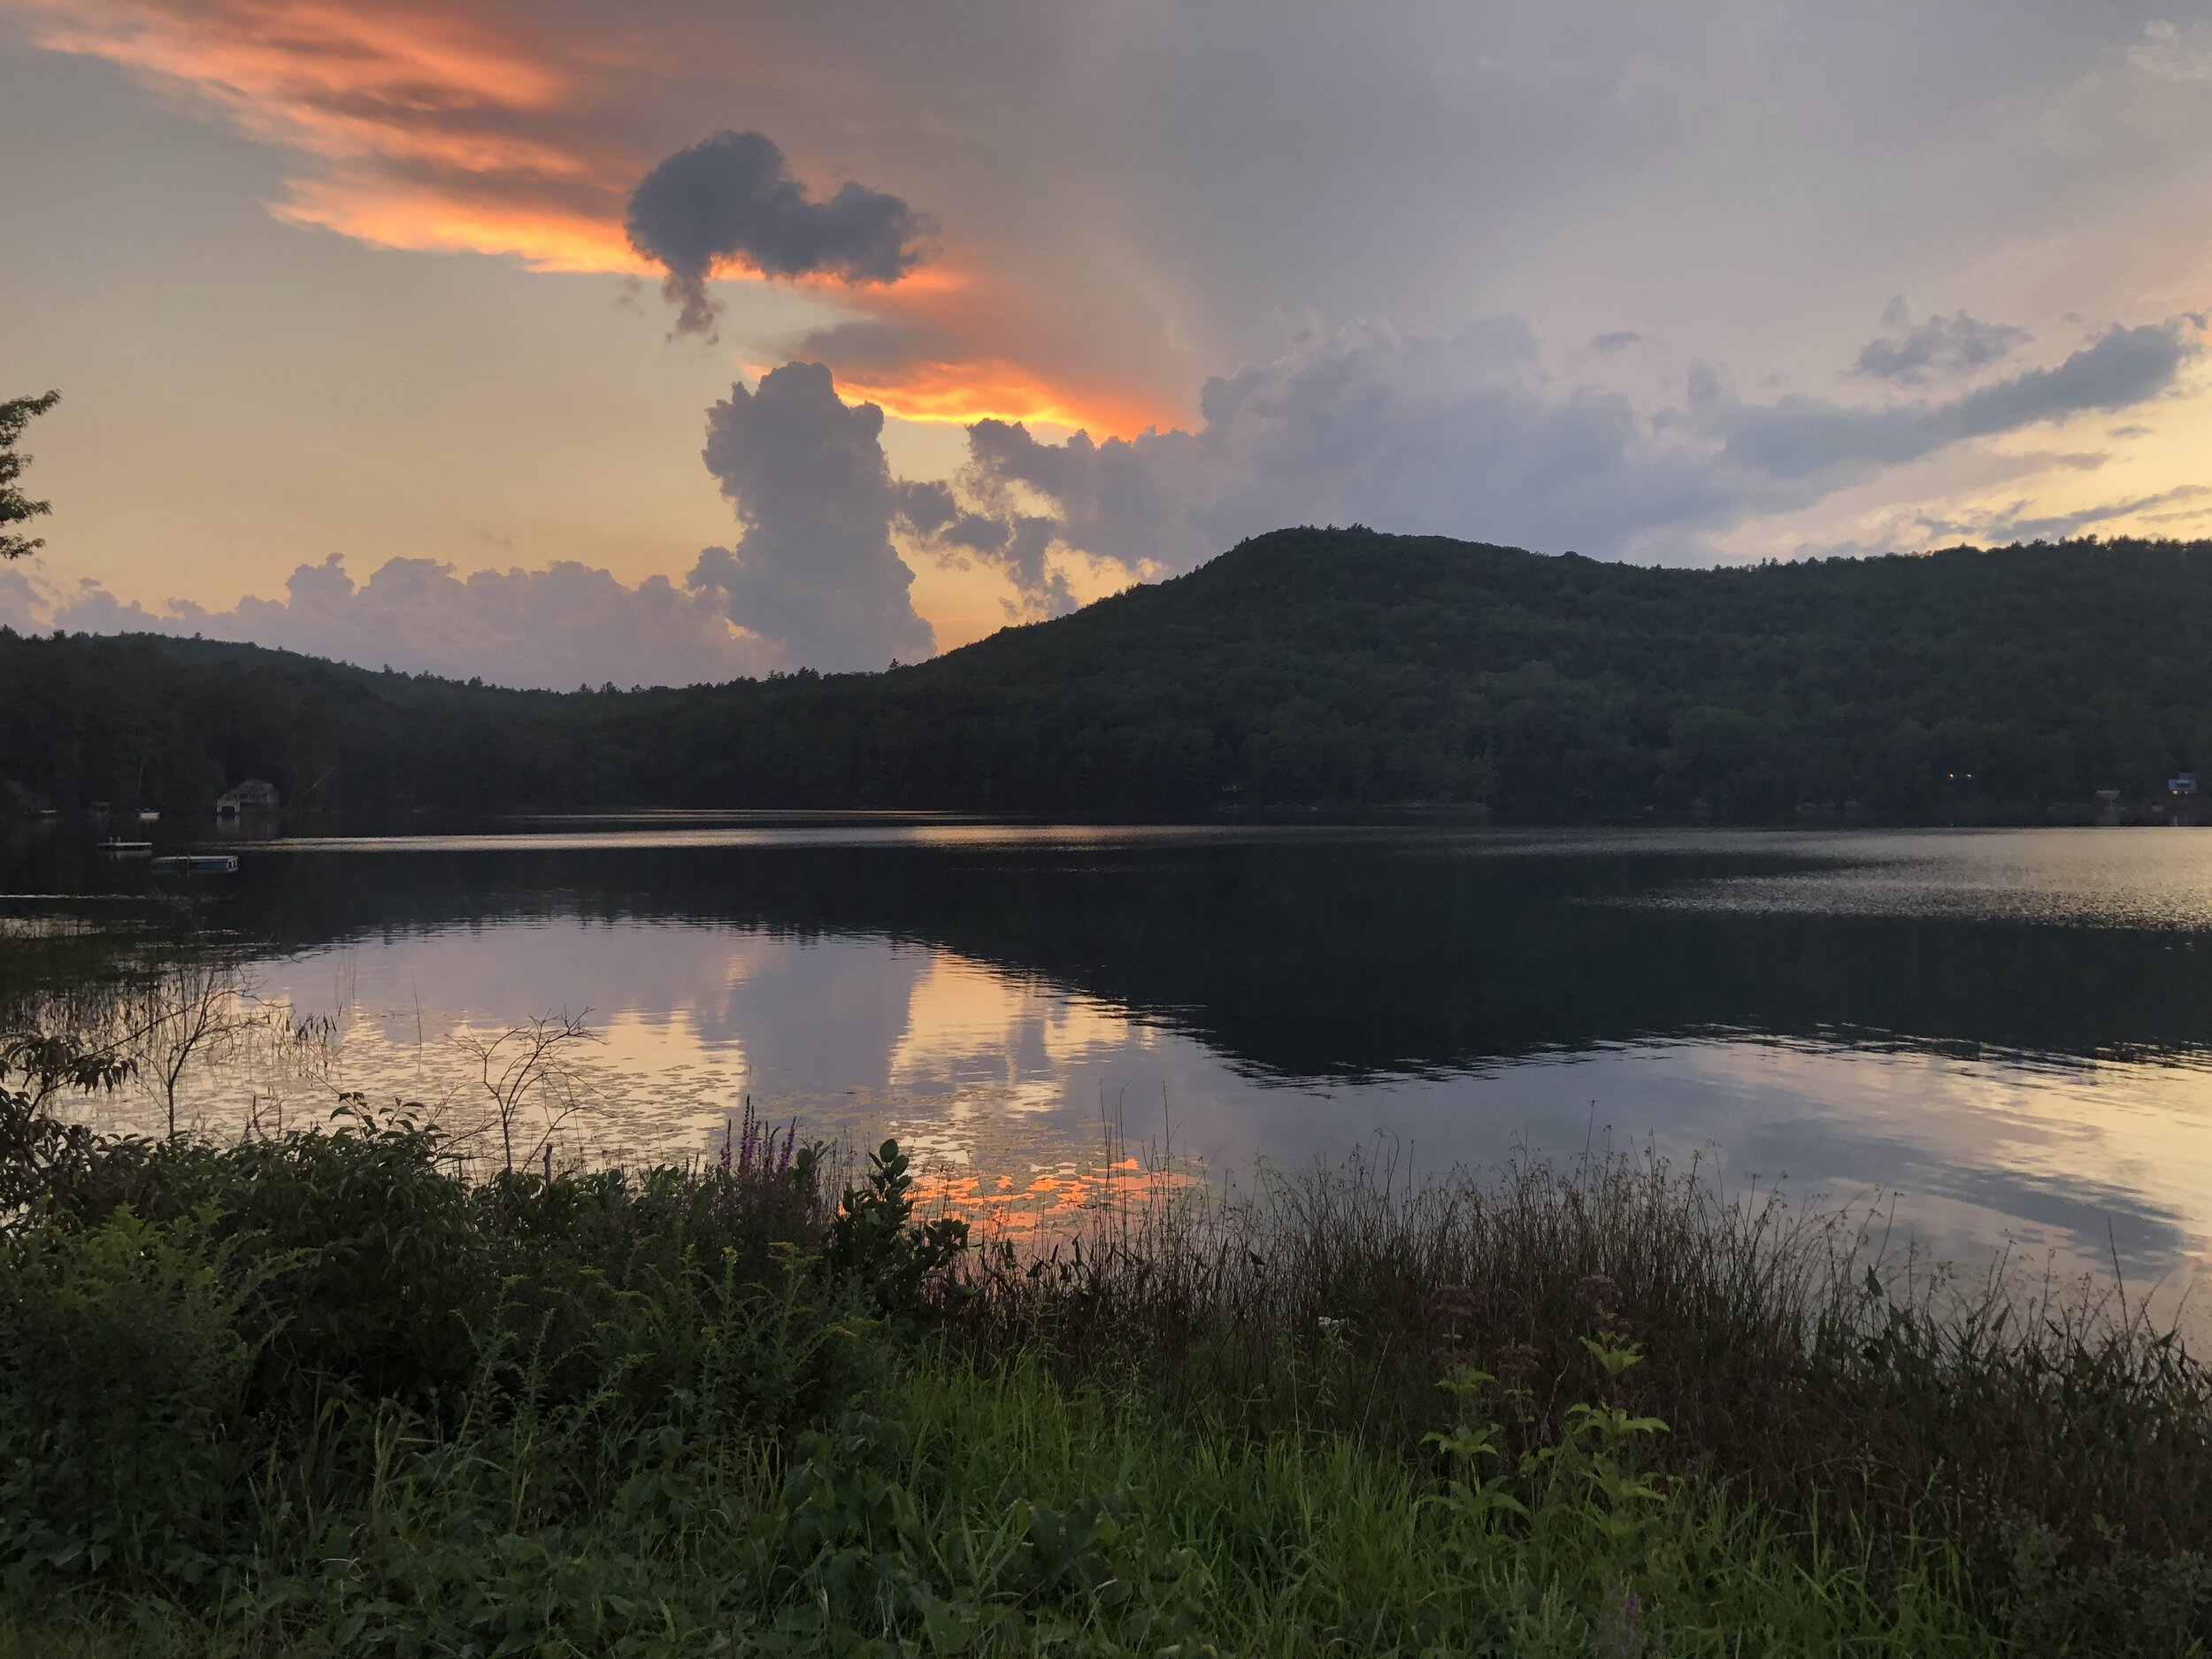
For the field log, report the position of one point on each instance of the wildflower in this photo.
(1453, 1306)
(1516, 1362)
(1604, 1299)
(1631, 1607)
(1600, 1291)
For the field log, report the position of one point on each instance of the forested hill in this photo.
(1332, 667)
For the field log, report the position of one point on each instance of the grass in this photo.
(315, 1394)
(1791, 1357)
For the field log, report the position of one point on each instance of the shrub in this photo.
(123, 1375)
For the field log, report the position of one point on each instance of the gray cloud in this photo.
(1619, 340)
(2123, 368)
(1468, 436)
(925, 506)
(814, 569)
(1936, 345)
(1460, 434)
(1800, 439)
(733, 196)
(553, 628)
(937, 524)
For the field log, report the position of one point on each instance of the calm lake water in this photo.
(2008, 1031)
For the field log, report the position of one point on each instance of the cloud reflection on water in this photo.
(1016, 1087)
(1892, 1012)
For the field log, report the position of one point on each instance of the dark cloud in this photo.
(733, 196)
(814, 569)
(1619, 340)
(555, 627)
(1936, 347)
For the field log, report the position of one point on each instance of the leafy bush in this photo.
(874, 1239)
(123, 1378)
(378, 1268)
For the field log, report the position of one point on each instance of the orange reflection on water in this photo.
(997, 1204)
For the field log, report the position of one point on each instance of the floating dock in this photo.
(196, 864)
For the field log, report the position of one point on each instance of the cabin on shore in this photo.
(256, 795)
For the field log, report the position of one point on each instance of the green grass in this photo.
(314, 1395)
(995, 1511)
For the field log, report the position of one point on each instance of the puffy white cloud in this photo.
(557, 628)
(815, 568)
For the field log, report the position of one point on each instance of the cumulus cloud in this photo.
(813, 581)
(732, 196)
(815, 568)
(1468, 435)
(23, 603)
(1936, 345)
(552, 628)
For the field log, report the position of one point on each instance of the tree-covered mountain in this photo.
(1332, 667)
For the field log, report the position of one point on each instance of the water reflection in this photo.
(2006, 1029)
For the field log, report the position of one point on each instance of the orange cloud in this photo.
(543, 235)
(399, 82)
(440, 127)
(468, 125)
(935, 347)
(961, 393)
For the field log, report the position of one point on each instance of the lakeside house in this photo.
(255, 795)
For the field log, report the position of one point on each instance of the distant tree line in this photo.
(1335, 668)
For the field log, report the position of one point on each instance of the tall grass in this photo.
(316, 1394)
(2056, 1436)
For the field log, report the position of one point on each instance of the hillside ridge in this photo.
(1344, 668)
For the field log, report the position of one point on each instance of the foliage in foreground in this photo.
(315, 1394)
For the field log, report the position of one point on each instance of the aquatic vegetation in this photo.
(321, 1392)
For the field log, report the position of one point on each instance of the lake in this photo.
(2005, 1032)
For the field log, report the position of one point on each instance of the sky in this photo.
(564, 344)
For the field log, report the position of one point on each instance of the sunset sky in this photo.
(538, 341)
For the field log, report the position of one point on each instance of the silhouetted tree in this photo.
(15, 506)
